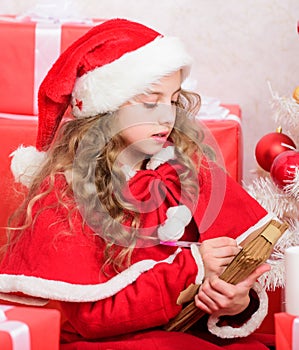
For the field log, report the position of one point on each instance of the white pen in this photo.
(184, 244)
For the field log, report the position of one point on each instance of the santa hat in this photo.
(103, 69)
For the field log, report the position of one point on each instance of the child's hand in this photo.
(217, 253)
(217, 296)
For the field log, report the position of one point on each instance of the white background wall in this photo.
(238, 46)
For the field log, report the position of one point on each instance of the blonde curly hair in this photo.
(94, 167)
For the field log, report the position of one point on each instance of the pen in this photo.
(184, 244)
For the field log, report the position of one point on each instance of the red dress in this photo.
(127, 310)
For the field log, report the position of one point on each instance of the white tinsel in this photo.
(276, 276)
(289, 238)
(292, 189)
(286, 113)
(286, 109)
(284, 203)
(272, 198)
(285, 206)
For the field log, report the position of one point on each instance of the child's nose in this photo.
(167, 114)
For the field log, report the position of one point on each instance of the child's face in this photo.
(146, 121)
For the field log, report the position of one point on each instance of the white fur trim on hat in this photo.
(107, 87)
(248, 327)
(26, 161)
(174, 226)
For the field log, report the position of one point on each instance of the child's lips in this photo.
(161, 136)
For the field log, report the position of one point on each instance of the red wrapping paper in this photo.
(286, 331)
(13, 132)
(43, 325)
(275, 306)
(228, 135)
(28, 50)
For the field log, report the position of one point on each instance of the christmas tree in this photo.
(276, 187)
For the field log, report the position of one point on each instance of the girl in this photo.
(120, 185)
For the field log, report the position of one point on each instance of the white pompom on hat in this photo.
(110, 64)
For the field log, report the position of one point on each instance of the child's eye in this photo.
(150, 105)
(175, 103)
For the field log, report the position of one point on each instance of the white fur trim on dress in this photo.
(173, 228)
(106, 88)
(267, 218)
(25, 162)
(248, 327)
(156, 160)
(161, 157)
(128, 171)
(57, 290)
(200, 266)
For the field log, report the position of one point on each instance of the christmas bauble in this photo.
(270, 146)
(296, 94)
(284, 166)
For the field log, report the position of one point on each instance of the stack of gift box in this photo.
(29, 47)
(287, 323)
(29, 328)
(286, 331)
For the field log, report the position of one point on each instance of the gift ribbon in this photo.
(211, 109)
(295, 334)
(47, 44)
(18, 331)
(10, 116)
(33, 17)
(47, 50)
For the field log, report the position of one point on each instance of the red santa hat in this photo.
(106, 67)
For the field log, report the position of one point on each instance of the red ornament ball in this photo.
(270, 146)
(283, 169)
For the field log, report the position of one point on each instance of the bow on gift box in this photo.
(47, 48)
(295, 334)
(253, 254)
(286, 331)
(18, 331)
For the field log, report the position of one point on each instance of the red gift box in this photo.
(274, 306)
(28, 50)
(228, 139)
(15, 130)
(286, 331)
(29, 328)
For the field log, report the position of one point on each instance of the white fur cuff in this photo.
(248, 327)
(200, 267)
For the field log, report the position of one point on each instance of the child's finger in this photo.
(259, 271)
